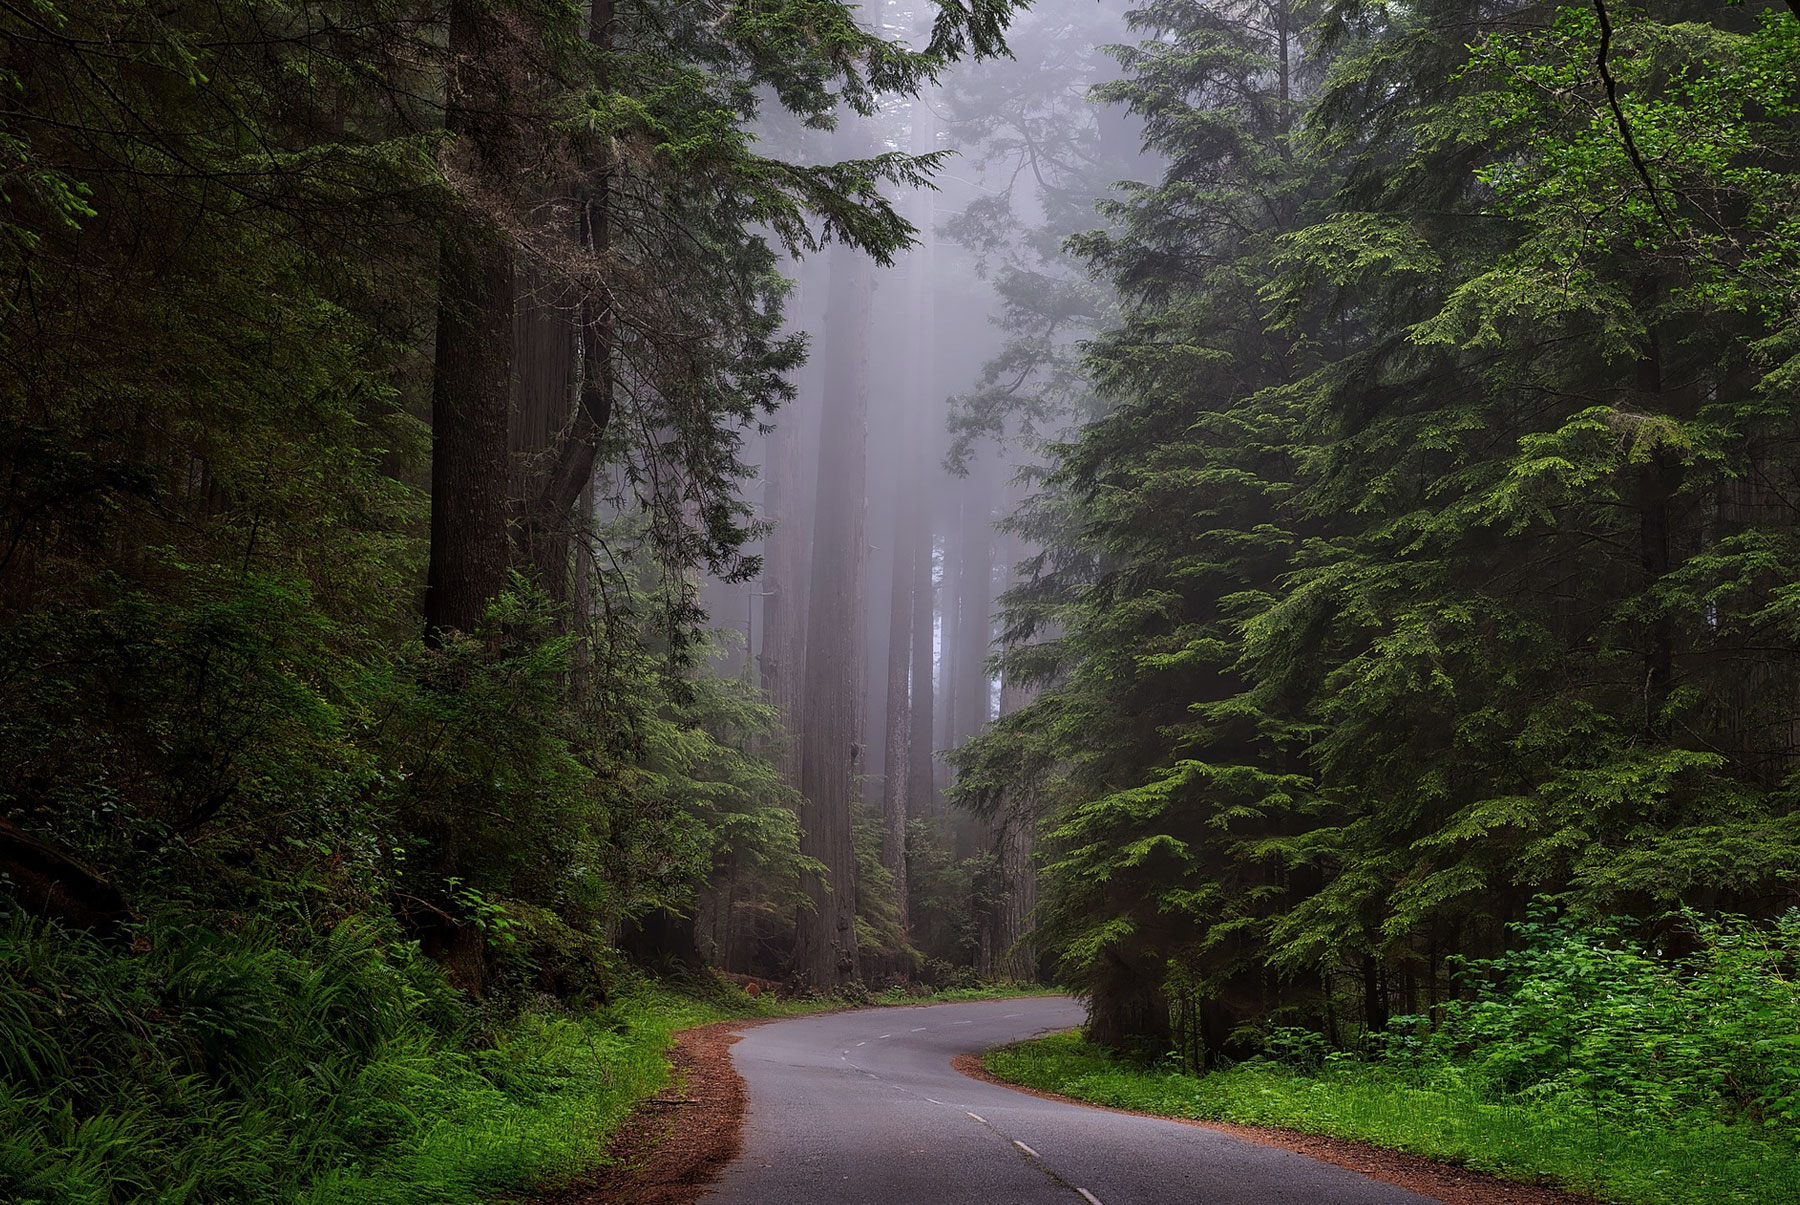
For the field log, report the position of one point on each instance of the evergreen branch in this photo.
(1612, 98)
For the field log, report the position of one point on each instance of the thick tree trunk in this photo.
(949, 638)
(472, 378)
(545, 347)
(1658, 480)
(1127, 1008)
(562, 473)
(896, 778)
(1375, 1007)
(786, 569)
(974, 609)
(825, 946)
(1017, 952)
(1016, 824)
(922, 791)
(469, 405)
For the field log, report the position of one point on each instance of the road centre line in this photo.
(1091, 1198)
(977, 1117)
(1026, 1149)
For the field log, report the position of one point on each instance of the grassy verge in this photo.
(263, 1064)
(561, 1086)
(558, 1086)
(1429, 1112)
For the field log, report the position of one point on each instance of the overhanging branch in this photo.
(1612, 98)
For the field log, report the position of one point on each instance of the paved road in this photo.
(864, 1107)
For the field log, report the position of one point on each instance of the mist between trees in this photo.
(1223, 506)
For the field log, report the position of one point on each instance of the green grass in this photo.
(1430, 1113)
(272, 1065)
(258, 1065)
(561, 1086)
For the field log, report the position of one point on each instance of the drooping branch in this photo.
(1612, 98)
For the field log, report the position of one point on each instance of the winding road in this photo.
(863, 1107)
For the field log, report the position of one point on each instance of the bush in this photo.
(259, 1064)
(1714, 1035)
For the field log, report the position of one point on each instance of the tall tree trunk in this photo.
(1127, 1007)
(545, 380)
(922, 790)
(974, 608)
(949, 635)
(472, 378)
(1658, 479)
(1017, 826)
(825, 946)
(896, 777)
(549, 504)
(1015, 950)
(786, 565)
(911, 535)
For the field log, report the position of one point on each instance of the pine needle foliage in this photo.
(1433, 551)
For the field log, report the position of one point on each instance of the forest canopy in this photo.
(1434, 551)
(1244, 508)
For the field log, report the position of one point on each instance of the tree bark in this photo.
(897, 763)
(1014, 844)
(922, 791)
(974, 608)
(472, 378)
(786, 569)
(1127, 1007)
(548, 503)
(825, 946)
(949, 637)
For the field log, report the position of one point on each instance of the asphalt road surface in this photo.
(864, 1107)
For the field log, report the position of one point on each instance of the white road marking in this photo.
(885, 1035)
(920, 1029)
(977, 1117)
(934, 1100)
(1091, 1198)
(1025, 1148)
(1010, 1016)
(862, 1043)
(962, 1022)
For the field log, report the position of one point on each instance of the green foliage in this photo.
(1604, 1064)
(1580, 1014)
(254, 1065)
(1431, 1112)
(1430, 555)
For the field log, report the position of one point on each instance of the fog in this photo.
(930, 386)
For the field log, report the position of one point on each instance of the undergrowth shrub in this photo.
(250, 1065)
(1584, 1014)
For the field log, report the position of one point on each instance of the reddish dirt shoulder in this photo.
(677, 1142)
(1442, 1182)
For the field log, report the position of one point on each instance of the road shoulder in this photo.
(677, 1142)
(1443, 1182)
